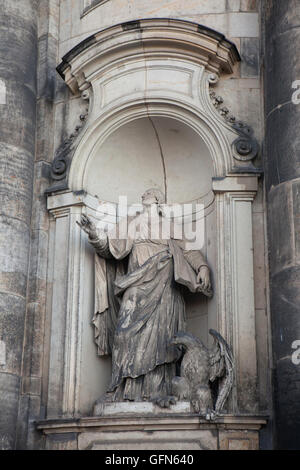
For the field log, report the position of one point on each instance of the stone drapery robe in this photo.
(141, 307)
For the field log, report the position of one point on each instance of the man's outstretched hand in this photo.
(87, 226)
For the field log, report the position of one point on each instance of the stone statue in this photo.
(140, 306)
(201, 367)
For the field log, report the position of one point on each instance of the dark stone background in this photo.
(282, 173)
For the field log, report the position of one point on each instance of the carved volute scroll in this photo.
(245, 147)
(63, 155)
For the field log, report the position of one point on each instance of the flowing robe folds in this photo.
(139, 309)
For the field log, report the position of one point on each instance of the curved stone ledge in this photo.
(176, 38)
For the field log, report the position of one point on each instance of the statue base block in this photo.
(144, 426)
(140, 408)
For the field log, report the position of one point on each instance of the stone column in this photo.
(281, 22)
(18, 52)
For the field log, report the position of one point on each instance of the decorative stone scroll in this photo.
(245, 147)
(63, 155)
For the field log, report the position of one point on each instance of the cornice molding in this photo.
(164, 37)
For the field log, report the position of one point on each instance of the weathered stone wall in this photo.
(238, 20)
(34, 372)
(235, 18)
(282, 169)
(18, 62)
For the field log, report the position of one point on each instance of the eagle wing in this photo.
(221, 367)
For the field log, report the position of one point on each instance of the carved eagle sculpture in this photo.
(200, 367)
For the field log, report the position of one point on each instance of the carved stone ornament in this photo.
(63, 155)
(141, 68)
(60, 162)
(245, 147)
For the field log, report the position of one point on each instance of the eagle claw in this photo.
(166, 401)
(200, 367)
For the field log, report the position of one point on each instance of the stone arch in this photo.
(152, 66)
(100, 131)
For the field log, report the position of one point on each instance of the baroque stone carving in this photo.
(245, 146)
(60, 162)
(200, 368)
(63, 155)
(213, 78)
(179, 55)
(139, 308)
(217, 101)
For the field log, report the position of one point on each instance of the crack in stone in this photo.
(162, 158)
(278, 106)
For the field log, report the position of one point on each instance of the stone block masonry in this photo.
(282, 169)
(18, 60)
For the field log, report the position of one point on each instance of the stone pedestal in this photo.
(144, 426)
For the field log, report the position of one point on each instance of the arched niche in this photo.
(150, 152)
(198, 127)
(162, 152)
(148, 84)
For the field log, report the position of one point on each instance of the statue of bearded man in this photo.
(140, 307)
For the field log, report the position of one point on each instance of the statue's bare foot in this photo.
(165, 402)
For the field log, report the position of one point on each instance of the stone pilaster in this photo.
(282, 168)
(18, 59)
